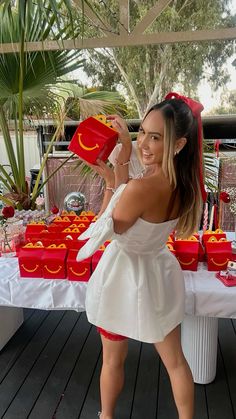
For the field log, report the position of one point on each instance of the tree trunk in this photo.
(129, 85)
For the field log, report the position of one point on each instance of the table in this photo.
(207, 299)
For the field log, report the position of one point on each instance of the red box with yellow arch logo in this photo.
(93, 139)
(218, 254)
(54, 262)
(30, 260)
(78, 271)
(187, 254)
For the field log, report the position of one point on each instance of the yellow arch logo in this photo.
(84, 146)
(51, 271)
(186, 263)
(29, 270)
(219, 264)
(78, 273)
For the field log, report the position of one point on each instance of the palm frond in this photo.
(31, 80)
(100, 102)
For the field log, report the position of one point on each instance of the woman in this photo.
(137, 290)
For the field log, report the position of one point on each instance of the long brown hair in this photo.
(182, 169)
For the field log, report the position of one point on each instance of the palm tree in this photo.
(27, 80)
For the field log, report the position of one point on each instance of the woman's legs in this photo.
(112, 374)
(172, 356)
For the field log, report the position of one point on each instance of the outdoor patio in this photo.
(50, 369)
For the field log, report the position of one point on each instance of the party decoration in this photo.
(54, 210)
(75, 201)
(224, 196)
(205, 217)
(7, 244)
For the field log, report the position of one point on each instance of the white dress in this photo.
(137, 289)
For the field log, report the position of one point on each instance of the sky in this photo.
(211, 99)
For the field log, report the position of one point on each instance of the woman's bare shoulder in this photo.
(154, 184)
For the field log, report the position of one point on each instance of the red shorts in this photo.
(109, 335)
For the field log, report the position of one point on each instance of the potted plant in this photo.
(30, 81)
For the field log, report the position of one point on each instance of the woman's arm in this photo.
(130, 206)
(121, 167)
(107, 173)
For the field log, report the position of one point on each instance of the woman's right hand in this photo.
(105, 171)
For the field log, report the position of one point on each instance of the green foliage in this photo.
(34, 83)
(227, 103)
(151, 71)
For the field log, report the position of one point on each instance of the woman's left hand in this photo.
(120, 126)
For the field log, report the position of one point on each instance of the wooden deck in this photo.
(50, 370)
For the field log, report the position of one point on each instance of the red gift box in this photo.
(56, 227)
(46, 235)
(66, 213)
(70, 233)
(62, 221)
(34, 230)
(88, 214)
(69, 214)
(54, 262)
(78, 271)
(98, 254)
(30, 260)
(34, 227)
(94, 139)
(218, 255)
(73, 244)
(187, 253)
(82, 219)
(83, 224)
(217, 234)
(170, 246)
(79, 225)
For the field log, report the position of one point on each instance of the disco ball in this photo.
(74, 201)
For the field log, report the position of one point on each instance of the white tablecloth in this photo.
(205, 295)
(45, 294)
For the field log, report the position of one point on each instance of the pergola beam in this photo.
(124, 16)
(150, 16)
(102, 24)
(125, 40)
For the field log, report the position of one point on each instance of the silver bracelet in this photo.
(122, 164)
(108, 188)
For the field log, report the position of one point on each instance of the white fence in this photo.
(31, 150)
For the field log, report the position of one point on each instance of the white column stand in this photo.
(11, 319)
(199, 343)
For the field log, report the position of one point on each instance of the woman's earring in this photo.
(176, 152)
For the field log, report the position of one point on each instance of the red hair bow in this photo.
(196, 108)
